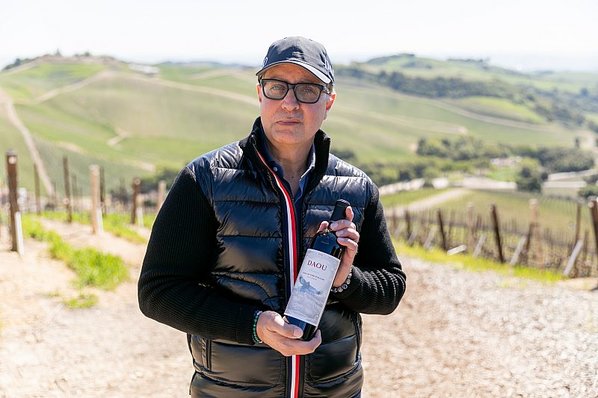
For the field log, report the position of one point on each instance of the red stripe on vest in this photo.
(290, 208)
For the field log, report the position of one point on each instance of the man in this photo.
(226, 246)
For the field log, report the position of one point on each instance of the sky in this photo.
(521, 34)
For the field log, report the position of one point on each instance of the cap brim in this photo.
(325, 79)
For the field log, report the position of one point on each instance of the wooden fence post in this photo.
(75, 194)
(408, 222)
(535, 225)
(102, 191)
(38, 205)
(532, 235)
(518, 250)
(413, 237)
(573, 258)
(68, 199)
(479, 245)
(586, 242)
(470, 227)
(397, 225)
(451, 229)
(430, 239)
(97, 226)
(577, 224)
(527, 255)
(441, 230)
(162, 195)
(594, 217)
(136, 209)
(496, 226)
(16, 231)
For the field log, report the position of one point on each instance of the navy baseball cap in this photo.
(301, 51)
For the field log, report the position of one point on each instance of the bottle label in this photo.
(312, 287)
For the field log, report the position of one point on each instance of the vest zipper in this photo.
(209, 354)
(355, 318)
(294, 363)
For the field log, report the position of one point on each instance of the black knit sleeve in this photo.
(378, 281)
(173, 285)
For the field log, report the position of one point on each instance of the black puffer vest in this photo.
(261, 242)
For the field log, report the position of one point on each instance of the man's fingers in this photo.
(348, 243)
(299, 347)
(317, 340)
(347, 222)
(279, 326)
(284, 337)
(342, 224)
(323, 226)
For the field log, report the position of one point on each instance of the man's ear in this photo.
(258, 87)
(330, 101)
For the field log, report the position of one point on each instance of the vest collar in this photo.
(250, 146)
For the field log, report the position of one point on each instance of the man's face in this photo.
(288, 123)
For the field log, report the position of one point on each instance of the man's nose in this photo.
(290, 101)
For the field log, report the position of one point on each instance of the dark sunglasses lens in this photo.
(274, 89)
(308, 93)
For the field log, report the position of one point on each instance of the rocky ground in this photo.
(455, 334)
(462, 334)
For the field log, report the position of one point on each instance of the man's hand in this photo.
(348, 236)
(283, 337)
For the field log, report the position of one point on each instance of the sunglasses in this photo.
(307, 93)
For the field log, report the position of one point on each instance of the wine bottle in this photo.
(318, 269)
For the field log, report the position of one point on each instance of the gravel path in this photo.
(111, 350)
(461, 334)
(455, 334)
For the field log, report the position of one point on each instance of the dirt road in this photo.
(13, 118)
(456, 334)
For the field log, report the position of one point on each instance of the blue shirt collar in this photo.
(277, 168)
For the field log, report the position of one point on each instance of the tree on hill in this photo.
(588, 191)
(461, 148)
(530, 176)
(17, 62)
(556, 160)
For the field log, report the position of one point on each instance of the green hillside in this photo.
(99, 110)
(482, 70)
(551, 96)
(31, 81)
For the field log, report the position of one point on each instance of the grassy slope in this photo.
(164, 126)
(557, 215)
(169, 125)
(29, 83)
(406, 197)
(499, 107)
(403, 119)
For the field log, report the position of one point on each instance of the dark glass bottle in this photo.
(312, 287)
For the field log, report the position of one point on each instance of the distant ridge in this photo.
(132, 118)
